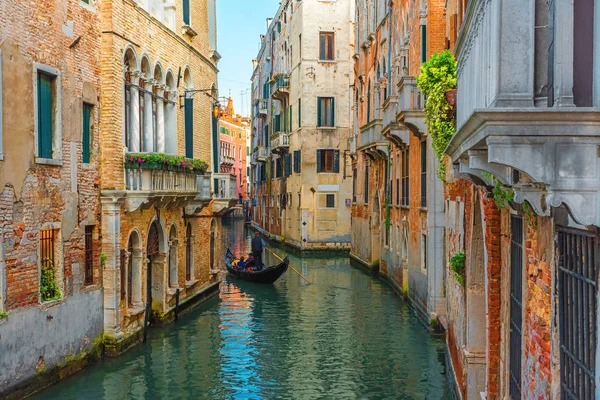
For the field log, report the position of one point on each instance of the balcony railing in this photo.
(262, 107)
(227, 160)
(261, 154)
(280, 141)
(410, 105)
(280, 87)
(225, 186)
(371, 133)
(203, 185)
(160, 181)
(392, 130)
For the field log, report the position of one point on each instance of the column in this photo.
(134, 135)
(111, 243)
(148, 126)
(160, 120)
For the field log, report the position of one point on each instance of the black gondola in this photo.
(267, 275)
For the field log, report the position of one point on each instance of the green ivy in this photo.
(3, 315)
(438, 75)
(48, 287)
(457, 264)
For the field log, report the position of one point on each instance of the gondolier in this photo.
(257, 249)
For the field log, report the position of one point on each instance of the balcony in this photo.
(280, 142)
(280, 87)
(392, 130)
(410, 105)
(261, 154)
(227, 160)
(371, 141)
(145, 188)
(261, 106)
(547, 154)
(225, 186)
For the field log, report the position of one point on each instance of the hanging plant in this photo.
(502, 194)
(457, 264)
(438, 76)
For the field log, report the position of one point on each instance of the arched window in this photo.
(130, 120)
(170, 99)
(188, 115)
(189, 255)
(158, 111)
(173, 259)
(145, 106)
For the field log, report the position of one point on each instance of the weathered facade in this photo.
(159, 226)
(397, 211)
(233, 134)
(522, 199)
(50, 268)
(301, 121)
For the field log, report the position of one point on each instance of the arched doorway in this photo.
(152, 250)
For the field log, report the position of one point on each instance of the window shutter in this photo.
(290, 114)
(319, 118)
(423, 43)
(332, 112)
(336, 161)
(85, 140)
(44, 116)
(189, 128)
(288, 165)
(319, 166)
(321, 46)
(186, 12)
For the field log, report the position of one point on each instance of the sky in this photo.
(239, 26)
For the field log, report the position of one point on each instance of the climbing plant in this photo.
(457, 264)
(503, 194)
(48, 287)
(438, 75)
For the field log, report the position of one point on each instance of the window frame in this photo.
(326, 46)
(189, 12)
(322, 163)
(57, 114)
(329, 196)
(86, 149)
(325, 105)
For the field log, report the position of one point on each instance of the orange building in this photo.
(234, 130)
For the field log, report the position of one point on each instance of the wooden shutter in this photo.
(189, 128)
(331, 112)
(85, 140)
(319, 166)
(336, 161)
(45, 122)
(186, 12)
(319, 116)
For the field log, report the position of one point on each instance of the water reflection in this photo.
(345, 336)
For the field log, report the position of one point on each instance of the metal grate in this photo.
(577, 282)
(516, 306)
(89, 256)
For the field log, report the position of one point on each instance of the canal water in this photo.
(346, 336)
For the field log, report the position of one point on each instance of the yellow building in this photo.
(160, 220)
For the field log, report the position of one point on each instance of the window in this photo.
(330, 201)
(326, 111)
(326, 46)
(328, 161)
(299, 113)
(366, 191)
(297, 161)
(48, 114)
(405, 181)
(89, 255)
(278, 169)
(186, 12)
(85, 136)
(354, 181)
(288, 164)
(189, 127)
(424, 173)
(49, 276)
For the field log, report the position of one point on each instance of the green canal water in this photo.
(346, 336)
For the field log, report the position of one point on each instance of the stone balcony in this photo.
(261, 154)
(280, 87)
(547, 154)
(280, 142)
(371, 140)
(225, 186)
(261, 107)
(410, 106)
(392, 130)
(145, 188)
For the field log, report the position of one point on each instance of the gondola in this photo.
(267, 275)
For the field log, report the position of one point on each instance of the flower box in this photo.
(132, 165)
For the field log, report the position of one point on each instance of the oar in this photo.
(292, 268)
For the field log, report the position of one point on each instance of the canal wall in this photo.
(56, 343)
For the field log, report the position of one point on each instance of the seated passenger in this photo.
(241, 263)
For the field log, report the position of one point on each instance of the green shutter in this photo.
(288, 164)
(318, 111)
(45, 123)
(189, 128)
(331, 112)
(290, 114)
(186, 12)
(322, 47)
(423, 43)
(336, 161)
(319, 161)
(299, 113)
(85, 139)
